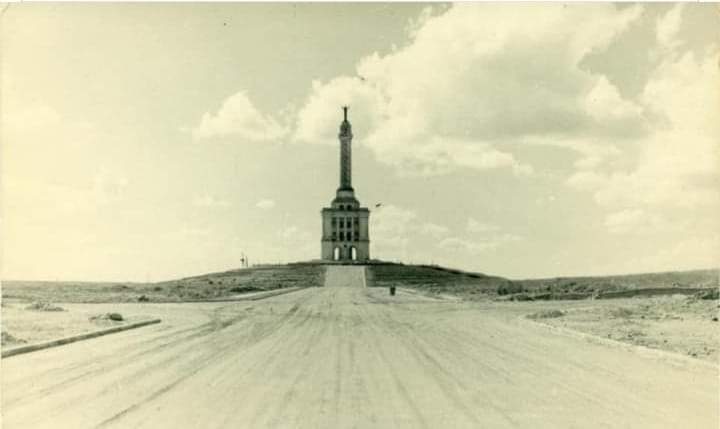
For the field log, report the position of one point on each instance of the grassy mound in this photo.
(702, 284)
(206, 286)
(625, 286)
(257, 279)
(435, 279)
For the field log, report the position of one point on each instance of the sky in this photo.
(144, 142)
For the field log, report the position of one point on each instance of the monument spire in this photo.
(345, 235)
(345, 153)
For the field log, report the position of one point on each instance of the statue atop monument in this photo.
(345, 127)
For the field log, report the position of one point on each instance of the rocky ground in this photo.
(680, 324)
(25, 322)
(671, 311)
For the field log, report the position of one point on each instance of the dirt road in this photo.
(347, 356)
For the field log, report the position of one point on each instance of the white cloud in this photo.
(456, 244)
(265, 204)
(390, 218)
(473, 246)
(293, 233)
(701, 252)
(434, 230)
(668, 25)
(464, 87)
(593, 151)
(189, 232)
(586, 180)
(295, 242)
(678, 162)
(238, 117)
(391, 228)
(109, 186)
(605, 104)
(401, 234)
(210, 201)
(53, 163)
(667, 185)
(475, 226)
(637, 221)
(319, 119)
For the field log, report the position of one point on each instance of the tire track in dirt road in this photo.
(426, 370)
(143, 344)
(232, 348)
(166, 360)
(349, 356)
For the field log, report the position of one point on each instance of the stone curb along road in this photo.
(67, 340)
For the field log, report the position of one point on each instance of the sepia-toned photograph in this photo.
(359, 215)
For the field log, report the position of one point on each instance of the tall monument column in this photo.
(345, 235)
(345, 152)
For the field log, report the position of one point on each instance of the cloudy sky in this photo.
(152, 141)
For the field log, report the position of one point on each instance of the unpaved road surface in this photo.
(347, 356)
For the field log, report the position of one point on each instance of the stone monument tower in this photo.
(345, 234)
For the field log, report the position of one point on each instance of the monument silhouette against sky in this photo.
(345, 234)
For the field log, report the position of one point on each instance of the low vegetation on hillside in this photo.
(436, 280)
(427, 278)
(621, 286)
(439, 280)
(207, 286)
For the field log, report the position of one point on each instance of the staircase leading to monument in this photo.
(345, 276)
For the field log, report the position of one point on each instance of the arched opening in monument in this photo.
(353, 253)
(336, 254)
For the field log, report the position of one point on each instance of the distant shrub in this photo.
(709, 294)
(540, 296)
(509, 288)
(157, 288)
(621, 312)
(243, 289)
(523, 297)
(547, 314)
(143, 298)
(43, 306)
(8, 339)
(116, 317)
